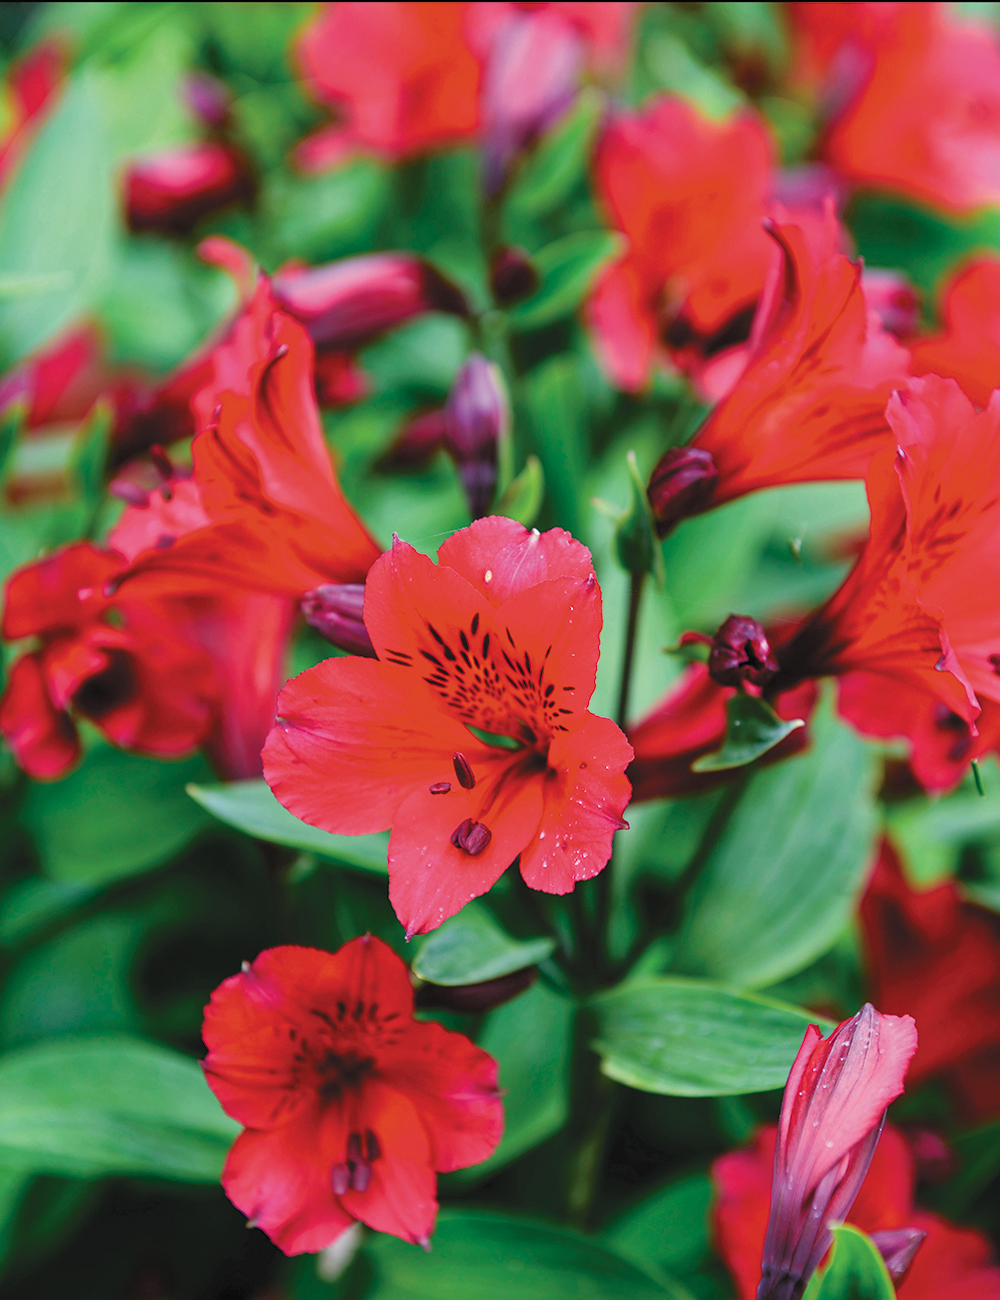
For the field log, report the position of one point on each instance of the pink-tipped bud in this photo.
(512, 275)
(682, 484)
(347, 304)
(477, 417)
(335, 610)
(898, 1247)
(170, 192)
(831, 1118)
(741, 653)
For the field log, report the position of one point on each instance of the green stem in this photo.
(634, 601)
(593, 1105)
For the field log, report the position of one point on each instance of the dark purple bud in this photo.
(682, 484)
(208, 98)
(347, 304)
(471, 837)
(741, 653)
(419, 441)
(474, 999)
(464, 772)
(512, 275)
(477, 416)
(898, 1247)
(335, 610)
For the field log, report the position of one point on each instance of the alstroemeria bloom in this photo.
(810, 404)
(350, 1105)
(690, 194)
(832, 1114)
(31, 86)
(949, 1261)
(913, 91)
(967, 347)
(125, 665)
(172, 191)
(938, 957)
(470, 737)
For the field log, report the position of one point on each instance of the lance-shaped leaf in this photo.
(567, 268)
(856, 1270)
(471, 947)
(752, 728)
(636, 543)
(522, 499)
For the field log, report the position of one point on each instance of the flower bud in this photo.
(477, 417)
(208, 98)
(474, 999)
(348, 303)
(682, 484)
(512, 276)
(335, 611)
(741, 653)
(171, 192)
(898, 1247)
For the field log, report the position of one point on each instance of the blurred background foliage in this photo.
(125, 901)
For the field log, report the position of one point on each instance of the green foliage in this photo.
(856, 1270)
(693, 1038)
(782, 879)
(250, 807)
(567, 269)
(472, 947)
(752, 728)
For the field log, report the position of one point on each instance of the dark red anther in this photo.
(131, 493)
(512, 276)
(441, 787)
(336, 611)
(372, 1147)
(994, 663)
(464, 772)
(471, 837)
(340, 1179)
(741, 653)
(161, 461)
(682, 484)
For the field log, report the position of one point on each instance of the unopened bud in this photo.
(335, 611)
(170, 192)
(512, 276)
(348, 303)
(683, 483)
(474, 999)
(741, 653)
(898, 1247)
(477, 416)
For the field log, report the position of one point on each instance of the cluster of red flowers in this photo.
(458, 718)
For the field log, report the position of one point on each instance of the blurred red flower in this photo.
(967, 347)
(937, 957)
(690, 194)
(953, 1262)
(471, 736)
(913, 95)
(32, 84)
(128, 666)
(350, 1105)
(810, 404)
(171, 191)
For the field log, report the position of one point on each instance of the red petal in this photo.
(45, 596)
(584, 802)
(353, 739)
(515, 557)
(623, 326)
(43, 740)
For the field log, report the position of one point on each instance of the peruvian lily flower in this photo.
(927, 1256)
(470, 737)
(810, 404)
(967, 347)
(349, 1104)
(831, 1118)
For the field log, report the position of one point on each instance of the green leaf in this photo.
(117, 815)
(89, 1107)
(89, 454)
(480, 1256)
(530, 1038)
(472, 947)
(252, 808)
(555, 402)
(567, 269)
(752, 728)
(29, 905)
(669, 1229)
(782, 879)
(856, 1270)
(693, 1038)
(57, 220)
(523, 497)
(560, 160)
(636, 544)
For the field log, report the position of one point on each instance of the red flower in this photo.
(501, 636)
(810, 404)
(125, 665)
(967, 347)
(914, 92)
(938, 958)
(172, 191)
(690, 721)
(350, 1105)
(403, 77)
(690, 194)
(32, 84)
(831, 1117)
(953, 1262)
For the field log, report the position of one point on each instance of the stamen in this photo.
(463, 770)
(471, 837)
(441, 787)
